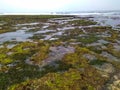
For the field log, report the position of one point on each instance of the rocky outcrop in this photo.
(115, 83)
(106, 67)
(90, 57)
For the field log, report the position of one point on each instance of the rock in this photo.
(89, 57)
(117, 47)
(106, 67)
(115, 84)
(9, 53)
(0, 65)
(115, 77)
(103, 41)
(56, 54)
(103, 47)
(94, 44)
(75, 43)
(0, 27)
(109, 56)
(118, 41)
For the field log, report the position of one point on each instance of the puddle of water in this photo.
(58, 33)
(47, 37)
(26, 28)
(19, 35)
(53, 38)
(104, 35)
(66, 28)
(44, 31)
(45, 25)
(107, 21)
(11, 46)
(35, 23)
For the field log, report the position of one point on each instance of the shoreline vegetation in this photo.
(58, 52)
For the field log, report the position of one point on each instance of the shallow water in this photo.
(35, 23)
(44, 31)
(18, 35)
(22, 35)
(107, 21)
(109, 18)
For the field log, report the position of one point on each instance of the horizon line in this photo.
(56, 13)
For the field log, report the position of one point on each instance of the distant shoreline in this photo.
(63, 13)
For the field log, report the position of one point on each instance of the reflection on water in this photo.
(107, 21)
(19, 35)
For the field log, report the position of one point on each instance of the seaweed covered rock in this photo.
(115, 82)
(78, 76)
(73, 79)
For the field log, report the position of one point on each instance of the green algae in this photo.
(82, 22)
(76, 74)
(73, 72)
(88, 39)
(97, 62)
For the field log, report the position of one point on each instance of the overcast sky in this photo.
(32, 6)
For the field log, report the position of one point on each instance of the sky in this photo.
(38, 6)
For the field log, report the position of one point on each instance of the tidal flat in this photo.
(59, 52)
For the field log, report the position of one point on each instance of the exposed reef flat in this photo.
(57, 52)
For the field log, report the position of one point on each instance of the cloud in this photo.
(41, 5)
(57, 5)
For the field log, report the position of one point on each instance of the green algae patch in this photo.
(72, 72)
(22, 51)
(69, 80)
(15, 19)
(14, 69)
(88, 39)
(41, 54)
(3, 31)
(97, 62)
(5, 60)
(82, 22)
(74, 32)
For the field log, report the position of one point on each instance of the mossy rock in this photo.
(82, 22)
(88, 39)
(69, 80)
(97, 62)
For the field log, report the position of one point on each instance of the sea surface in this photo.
(105, 18)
